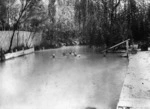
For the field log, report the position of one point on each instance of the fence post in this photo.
(104, 53)
(1, 54)
(127, 47)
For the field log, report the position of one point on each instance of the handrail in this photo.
(116, 45)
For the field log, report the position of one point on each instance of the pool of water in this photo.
(38, 81)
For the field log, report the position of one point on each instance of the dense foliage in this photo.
(64, 22)
(111, 21)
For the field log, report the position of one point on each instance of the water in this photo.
(38, 81)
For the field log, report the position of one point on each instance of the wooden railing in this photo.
(127, 46)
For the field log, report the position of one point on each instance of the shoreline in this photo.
(135, 92)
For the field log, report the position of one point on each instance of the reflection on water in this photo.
(38, 81)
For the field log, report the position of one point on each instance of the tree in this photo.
(98, 19)
(3, 14)
(25, 7)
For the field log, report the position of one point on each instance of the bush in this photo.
(144, 46)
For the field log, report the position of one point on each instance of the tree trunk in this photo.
(17, 38)
(11, 40)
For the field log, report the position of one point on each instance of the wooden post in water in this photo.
(104, 53)
(1, 54)
(127, 47)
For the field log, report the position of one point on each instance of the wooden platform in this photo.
(18, 53)
(135, 93)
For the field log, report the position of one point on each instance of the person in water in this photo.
(71, 53)
(53, 55)
(76, 55)
(64, 54)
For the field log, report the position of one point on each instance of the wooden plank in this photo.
(28, 51)
(18, 53)
(116, 45)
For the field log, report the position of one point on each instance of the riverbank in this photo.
(135, 93)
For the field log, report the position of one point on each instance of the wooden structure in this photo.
(135, 93)
(127, 47)
(18, 53)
